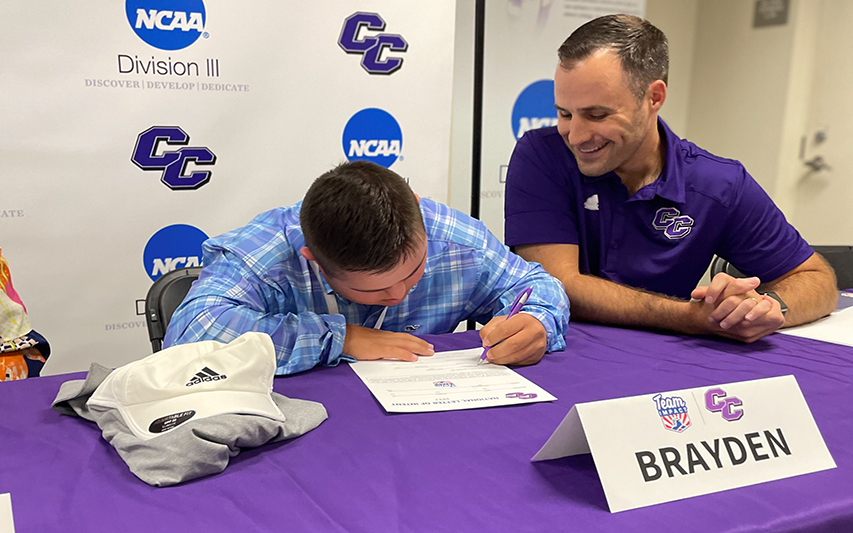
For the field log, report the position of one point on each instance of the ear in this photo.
(657, 94)
(306, 253)
(418, 198)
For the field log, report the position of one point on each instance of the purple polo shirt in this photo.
(663, 238)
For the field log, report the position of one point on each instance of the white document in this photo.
(446, 381)
(7, 525)
(836, 328)
(671, 445)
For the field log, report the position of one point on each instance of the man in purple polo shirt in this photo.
(628, 216)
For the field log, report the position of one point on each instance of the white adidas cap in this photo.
(193, 381)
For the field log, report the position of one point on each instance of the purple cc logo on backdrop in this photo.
(172, 164)
(672, 222)
(371, 48)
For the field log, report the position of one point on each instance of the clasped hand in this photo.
(731, 308)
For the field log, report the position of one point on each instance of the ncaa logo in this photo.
(172, 164)
(173, 247)
(534, 108)
(167, 24)
(373, 135)
(371, 48)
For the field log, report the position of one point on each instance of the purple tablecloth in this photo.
(367, 471)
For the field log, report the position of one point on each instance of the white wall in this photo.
(758, 94)
(822, 199)
(461, 125)
(677, 20)
(799, 85)
(738, 90)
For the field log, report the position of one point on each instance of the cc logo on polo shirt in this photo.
(673, 224)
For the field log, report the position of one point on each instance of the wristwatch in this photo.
(778, 299)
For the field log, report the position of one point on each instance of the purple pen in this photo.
(519, 302)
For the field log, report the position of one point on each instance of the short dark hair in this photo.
(642, 48)
(361, 217)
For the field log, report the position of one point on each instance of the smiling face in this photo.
(600, 119)
(385, 288)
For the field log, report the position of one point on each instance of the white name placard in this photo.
(7, 524)
(672, 445)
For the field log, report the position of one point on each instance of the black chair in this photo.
(721, 265)
(840, 259)
(164, 296)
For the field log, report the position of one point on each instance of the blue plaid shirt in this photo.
(255, 279)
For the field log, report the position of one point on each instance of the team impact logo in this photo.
(172, 164)
(672, 412)
(172, 247)
(673, 224)
(167, 24)
(534, 108)
(371, 47)
(373, 135)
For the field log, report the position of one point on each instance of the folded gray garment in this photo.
(193, 449)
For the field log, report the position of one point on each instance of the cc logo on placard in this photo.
(729, 408)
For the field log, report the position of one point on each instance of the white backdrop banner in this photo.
(522, 38)
(133, 130)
